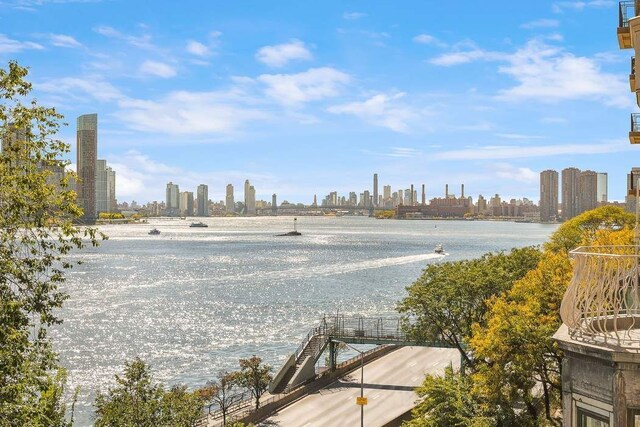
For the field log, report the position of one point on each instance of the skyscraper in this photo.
(229, 202)
(570, 194)
(375, 190)
(633, 179)
(588, 191)
(111, 190)
(603, 188)
(203, 200)
(548, 195)
(102, 193)
(186, 203)
(87, 156)
(172, 204)
(250, 198)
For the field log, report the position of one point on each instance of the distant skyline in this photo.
(304, 100)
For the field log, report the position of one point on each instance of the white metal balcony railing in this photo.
(602, 302)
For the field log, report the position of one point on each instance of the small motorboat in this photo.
(154, 232)
(198, 224)
(439, 249)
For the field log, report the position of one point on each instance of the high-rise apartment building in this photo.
(588, 191)
(548, 195)
(633, 183)
(375, 190)
(603, 188)
(229, 201)
(111, 190)
(186, 203)
(172, 203)
(250, 198)
(102, 193)
(87, 157)
(203, 200)
(570, 193)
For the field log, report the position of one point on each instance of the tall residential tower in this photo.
(87, 158)
(548, 195)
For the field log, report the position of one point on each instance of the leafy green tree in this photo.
(583, 228)
(222, 392)
(137, 400)
(447, 401)
(37, 211)
(444, 303)
(255, 377)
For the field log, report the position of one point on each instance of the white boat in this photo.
(439, 249)
(198, 224)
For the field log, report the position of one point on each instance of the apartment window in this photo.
(633, 418)
(591, 419)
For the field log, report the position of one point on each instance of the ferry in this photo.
(154, 232)
(198, 224)
(439, 249)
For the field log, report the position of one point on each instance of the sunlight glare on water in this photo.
(192, 301)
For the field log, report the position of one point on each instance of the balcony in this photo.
(634, 133)
(626, 11)
(632, 75)
(602, 303)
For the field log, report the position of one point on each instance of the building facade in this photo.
(86, 161)
(588, 191)
(172, 200)
(229, 202)
(570, 198)
(203, 200)
(548, 195)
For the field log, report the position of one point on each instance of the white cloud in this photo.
(549, 73)
(505, 171)
(158, 69)
(281, 54)
(519, 152)
(466, 56)
(143, 41)
(189, 113)
(541, 23)
(428, 39)
(518, 136)
(311, 85)
(81, 89)
(8, 45)
(581, 5)
(351, 16)
(62, 40)
(197, 48)
(380, 110)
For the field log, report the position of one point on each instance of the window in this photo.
(633, 418)
(591, 419)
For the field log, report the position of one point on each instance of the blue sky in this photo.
(308, 97)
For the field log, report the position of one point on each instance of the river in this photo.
(192, 301)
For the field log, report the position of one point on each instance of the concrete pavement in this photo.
(388, 385)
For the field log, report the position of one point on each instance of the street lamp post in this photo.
(361, 401)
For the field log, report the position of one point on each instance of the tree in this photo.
(521, 363)
(223, 392)
(444, 303)
(255, 377)
(137, 401)
(447, 401)
(37, 210)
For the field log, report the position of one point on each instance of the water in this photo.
(192, 301)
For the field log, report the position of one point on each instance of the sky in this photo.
(308, 97)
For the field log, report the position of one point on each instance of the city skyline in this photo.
(301, 104)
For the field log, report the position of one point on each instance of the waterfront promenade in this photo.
(388, 384)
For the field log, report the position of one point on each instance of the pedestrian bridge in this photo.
(329, 333)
